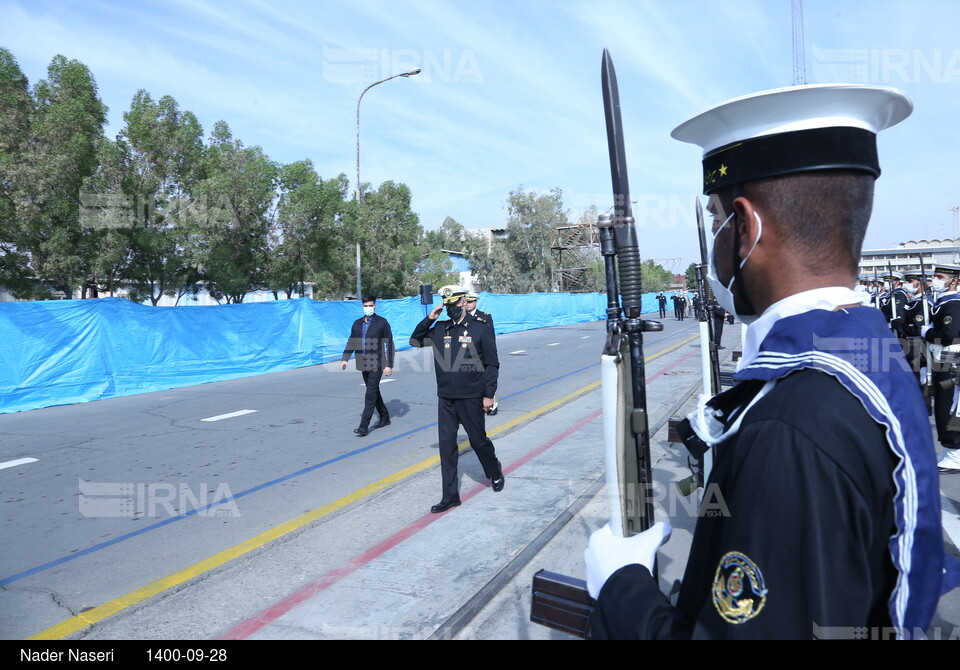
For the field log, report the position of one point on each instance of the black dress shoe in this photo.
(362, 432)
(383, 423)
(444, 505)
(498, 481)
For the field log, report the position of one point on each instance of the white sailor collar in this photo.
(828, 298)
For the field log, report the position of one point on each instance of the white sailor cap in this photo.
(946, 268)
(795, 129)
(452, 294)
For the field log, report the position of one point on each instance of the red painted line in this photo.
(278, 609)
(267, 616)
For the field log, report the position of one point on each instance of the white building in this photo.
(906, 256)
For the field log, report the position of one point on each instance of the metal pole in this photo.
(413, 71)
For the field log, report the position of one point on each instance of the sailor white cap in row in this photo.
(794, 129)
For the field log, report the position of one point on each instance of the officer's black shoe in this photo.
(498, 481)
(444, 505)
(362, 432)
(383, 422)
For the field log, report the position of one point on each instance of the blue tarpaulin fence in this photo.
(59, 352)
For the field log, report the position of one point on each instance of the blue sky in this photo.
(509, 93)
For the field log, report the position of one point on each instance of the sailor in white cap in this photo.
(467, 368)
(943, 338)
(894, 301)
(824, 464)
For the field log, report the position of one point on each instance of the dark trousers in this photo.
(717, 329)
(372, 398)
(942, 400)
(663, 311)
(467, 412)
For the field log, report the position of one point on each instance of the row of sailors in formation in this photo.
(927, 321)
(913, 309)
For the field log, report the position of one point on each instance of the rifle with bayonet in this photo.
(563, 602)
(876, 288)
(893, 297)
(928, 382)
(710, 362)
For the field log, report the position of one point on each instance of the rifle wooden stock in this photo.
(562, 603)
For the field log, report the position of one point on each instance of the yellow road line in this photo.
(101, 612)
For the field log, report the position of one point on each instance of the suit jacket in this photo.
(379, 350)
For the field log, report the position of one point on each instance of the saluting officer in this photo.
(467, 367)
(943, 338)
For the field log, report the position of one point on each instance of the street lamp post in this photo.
(409, 73)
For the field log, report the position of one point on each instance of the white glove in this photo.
(606, 553)
(923, 331)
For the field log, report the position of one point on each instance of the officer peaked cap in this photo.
(452, 294)
(791, 130)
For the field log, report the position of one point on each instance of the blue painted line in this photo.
(260, 487)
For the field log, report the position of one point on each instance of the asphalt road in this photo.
(130, 490)
(249, 510)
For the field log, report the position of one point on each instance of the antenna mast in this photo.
(799, 61)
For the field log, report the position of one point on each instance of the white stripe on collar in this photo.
(819, 298)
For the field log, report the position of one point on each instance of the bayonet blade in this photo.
(625, 235)
(618, 158)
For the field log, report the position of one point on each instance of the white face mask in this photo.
(938, 285)
(368, 311)
(723, 293)
(910, 288)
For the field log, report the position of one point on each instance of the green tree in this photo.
(451, 236)
(307, 240)
(157, 163)
(692, 277)
(436, 268)
(44, 171)
(16, 108)
(238, 190)
(523, 261)
(655, 277)
(389, 233)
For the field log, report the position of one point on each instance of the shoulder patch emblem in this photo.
(739, 592)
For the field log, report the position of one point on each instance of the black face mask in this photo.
(454, 311)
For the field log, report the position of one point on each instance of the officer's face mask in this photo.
(910, 288)
(724, 294)
(454, 311)
(368, 311)
(938, 285)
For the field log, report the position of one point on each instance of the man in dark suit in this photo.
(372, 342)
